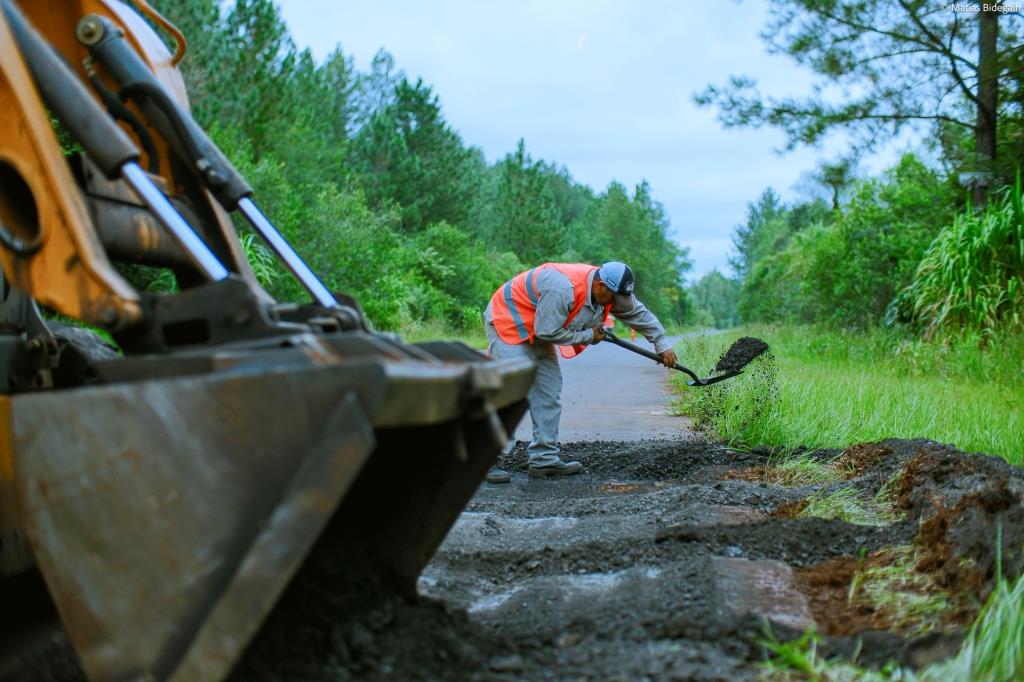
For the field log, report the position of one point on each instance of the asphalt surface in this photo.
(609, 393)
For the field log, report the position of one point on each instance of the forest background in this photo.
(364, 174)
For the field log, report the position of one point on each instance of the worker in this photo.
(565, 305)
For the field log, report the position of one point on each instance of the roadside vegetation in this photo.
(893, 302)
(826, 388)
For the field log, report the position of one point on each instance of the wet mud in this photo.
(656, 563)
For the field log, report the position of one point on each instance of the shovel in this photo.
(697, 381)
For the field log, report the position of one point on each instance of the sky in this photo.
(604, 88)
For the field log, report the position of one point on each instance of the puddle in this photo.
(568, 587)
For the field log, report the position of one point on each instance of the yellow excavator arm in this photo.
(168, 489)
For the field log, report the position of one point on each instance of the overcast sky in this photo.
(603, 88)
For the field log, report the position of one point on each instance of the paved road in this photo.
(609, 393)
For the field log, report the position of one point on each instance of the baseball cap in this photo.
(617, 277)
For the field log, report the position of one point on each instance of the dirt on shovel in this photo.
(740, 354)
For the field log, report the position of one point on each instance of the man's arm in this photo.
(636, 315)
(553, 308)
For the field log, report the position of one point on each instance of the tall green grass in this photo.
(832, 389)
(994, 649)
(972, 276)
(434, 330)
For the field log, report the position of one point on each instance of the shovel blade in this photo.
(715, 379)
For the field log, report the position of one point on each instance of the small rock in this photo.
(733, 551)
(532, 565)
(506, 664)
(860, 539)
(567, 639)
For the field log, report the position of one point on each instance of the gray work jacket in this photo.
(555, 301)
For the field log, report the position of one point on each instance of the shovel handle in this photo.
(608, 336)
(657, 358)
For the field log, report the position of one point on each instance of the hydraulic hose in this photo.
(107, 45)
(107, 145)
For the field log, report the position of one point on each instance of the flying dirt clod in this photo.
(741, 354)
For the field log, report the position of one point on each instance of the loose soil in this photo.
(740, 354)
(656, 563)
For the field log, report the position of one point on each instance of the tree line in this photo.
(936, 246)
(361, 171)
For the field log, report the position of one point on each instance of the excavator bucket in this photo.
(168, 514)
(168, 493)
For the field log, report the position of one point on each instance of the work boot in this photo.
(496, 475)
(560, 469)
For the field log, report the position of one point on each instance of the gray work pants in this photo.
(544, 398)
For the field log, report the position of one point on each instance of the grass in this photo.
(992, 652)
(800, 469)
(850, 505)
(994, 649)
(798, 659)
(824, 388)
(912, 601)
(436, 331)
(972, 275)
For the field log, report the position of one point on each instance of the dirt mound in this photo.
(827, 586)
(857, 459)
(740, 354)
(965, 508)
(970, 508)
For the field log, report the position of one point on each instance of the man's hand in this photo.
(669, 358)
(598, 334)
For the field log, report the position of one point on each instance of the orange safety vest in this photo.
(514, 304)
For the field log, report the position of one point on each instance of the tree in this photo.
(263, 57)
(716, 299)
(894, 63)
(835, 178)
(526, 218)
(748, 239)
(375, 90)
(409, 155)
(845, 266)
(201, 23)
(572, 199)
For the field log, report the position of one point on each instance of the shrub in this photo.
(972, 275)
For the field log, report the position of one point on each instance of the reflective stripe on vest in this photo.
(514, 305)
